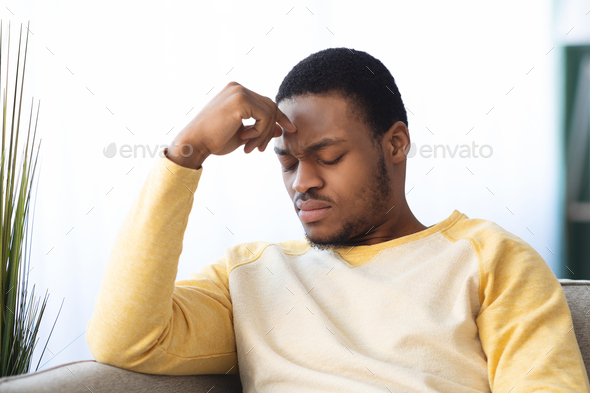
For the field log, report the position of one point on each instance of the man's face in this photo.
(356, 189)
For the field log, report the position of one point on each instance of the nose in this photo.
(306, 177)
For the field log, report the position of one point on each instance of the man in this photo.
(370, 300)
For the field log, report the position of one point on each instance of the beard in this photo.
(374, 197)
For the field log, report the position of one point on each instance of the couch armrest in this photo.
(577, 293)
(88, 376)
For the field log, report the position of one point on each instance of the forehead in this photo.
(318, 117)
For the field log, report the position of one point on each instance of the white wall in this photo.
(149, 63)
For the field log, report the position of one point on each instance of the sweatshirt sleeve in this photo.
(525, 324)
(145, 321)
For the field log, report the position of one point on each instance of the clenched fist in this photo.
(218, 128)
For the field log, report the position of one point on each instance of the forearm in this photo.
(134, 303)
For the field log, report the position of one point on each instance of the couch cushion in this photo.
(90, 376)
(577, 293)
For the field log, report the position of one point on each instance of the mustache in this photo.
(311, 197)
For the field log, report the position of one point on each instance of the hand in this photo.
(218, 128)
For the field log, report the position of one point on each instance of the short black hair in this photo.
(354, 75)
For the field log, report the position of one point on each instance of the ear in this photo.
(398, 142)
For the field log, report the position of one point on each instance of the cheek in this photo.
(351, 173)
(351, 187)
(343, 186)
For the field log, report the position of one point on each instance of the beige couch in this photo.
(91, 376)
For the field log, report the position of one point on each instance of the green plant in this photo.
(20, 315)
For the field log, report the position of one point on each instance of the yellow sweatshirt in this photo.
(462, 306)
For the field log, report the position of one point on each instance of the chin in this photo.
(320, 239)
(318, 231)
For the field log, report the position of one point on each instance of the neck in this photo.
(398, 222)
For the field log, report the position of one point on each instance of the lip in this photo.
(311, 205)
(312, 215)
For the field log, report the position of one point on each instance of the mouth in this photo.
(313, 215)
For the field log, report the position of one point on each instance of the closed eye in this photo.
(333, 162)
(325, 162)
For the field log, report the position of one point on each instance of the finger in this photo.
(253, 142)
(261, 110)
(284, 121)
(265, 135)
(250, 145)
(280, 117)
(277, 132)
(273, 108)
(257, 142)
(270, 135)
(233, 144)
(262, 133)
(247, 132)
(262, 140)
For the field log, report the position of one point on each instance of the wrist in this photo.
(186, 155)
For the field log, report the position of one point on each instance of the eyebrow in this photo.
(323, 143)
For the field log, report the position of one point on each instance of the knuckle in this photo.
(239, 96)
(234, 87)
(271, 103)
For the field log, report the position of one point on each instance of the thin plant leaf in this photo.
(21, 312)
